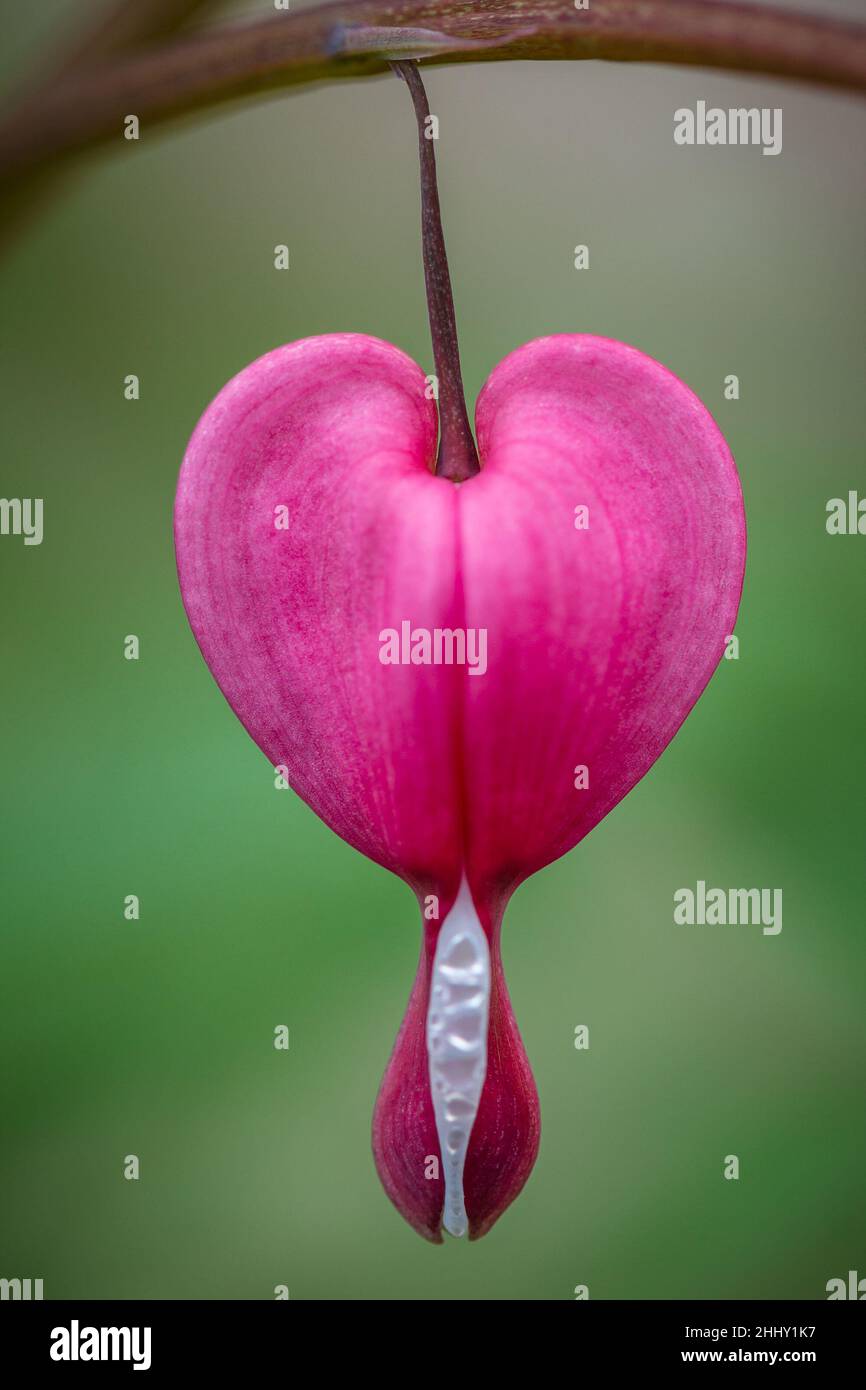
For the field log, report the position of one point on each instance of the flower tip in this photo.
(456, 1124)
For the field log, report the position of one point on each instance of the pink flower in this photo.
(600, 550)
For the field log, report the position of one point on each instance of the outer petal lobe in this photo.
(600, 639)
(337, 432)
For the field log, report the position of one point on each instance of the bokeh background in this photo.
(155, 1037)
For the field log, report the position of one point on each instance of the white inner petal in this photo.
(457, 1043)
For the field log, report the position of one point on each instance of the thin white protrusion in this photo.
(457, 1043)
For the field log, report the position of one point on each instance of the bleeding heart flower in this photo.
(324, 564)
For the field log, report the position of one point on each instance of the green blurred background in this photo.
(155, 1037)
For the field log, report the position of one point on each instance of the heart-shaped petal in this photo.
(600, 552)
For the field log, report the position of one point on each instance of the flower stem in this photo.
(457, 458)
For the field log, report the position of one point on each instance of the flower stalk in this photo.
(457, 458)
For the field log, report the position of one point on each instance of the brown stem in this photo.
(338, 40)
(457, 458)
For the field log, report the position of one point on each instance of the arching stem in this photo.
(457, 458)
